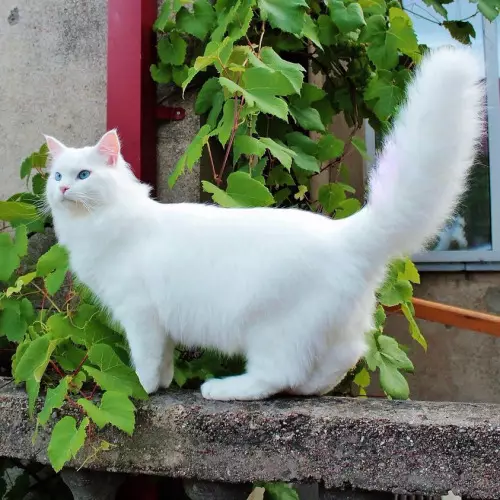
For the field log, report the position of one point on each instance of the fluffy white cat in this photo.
(291, 290)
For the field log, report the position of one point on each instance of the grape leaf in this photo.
(393, 382)
(204, 100)
(113, 374)
(329, 147)
(462, 31)
(54, 399)
(16, 211)
(383, 94)
(287, 16)
(247, 145)
(161, 73)
(330, 196)
(293, 72)
(307, 118)
(115, 409)
(279, 151)
(199, 22)
(191, 155)
(172, 49)
(347, 18)
(65, 441)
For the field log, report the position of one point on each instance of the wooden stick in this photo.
(454, 316)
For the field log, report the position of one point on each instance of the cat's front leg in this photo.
(146, 340)
(167, 368)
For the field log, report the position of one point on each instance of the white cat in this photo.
(291, 290)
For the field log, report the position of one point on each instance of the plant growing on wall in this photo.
(249, 59)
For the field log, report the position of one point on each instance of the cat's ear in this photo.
(54, 146)
(109, 146)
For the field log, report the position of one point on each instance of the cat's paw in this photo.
(242, 388)
(149, 383)
(166, 376)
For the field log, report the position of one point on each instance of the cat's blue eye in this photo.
(57, 176)
(84, 174)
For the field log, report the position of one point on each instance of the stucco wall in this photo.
(53, 80)
(52, 77)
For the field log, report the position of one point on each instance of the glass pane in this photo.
(470, 229)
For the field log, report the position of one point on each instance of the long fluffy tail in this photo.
(423, 168)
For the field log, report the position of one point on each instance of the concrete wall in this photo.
(53, 80)
(52, 77)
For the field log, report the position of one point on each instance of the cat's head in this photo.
(90, 177)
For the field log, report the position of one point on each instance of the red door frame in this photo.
(131, 92)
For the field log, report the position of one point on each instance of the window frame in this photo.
(472, 260)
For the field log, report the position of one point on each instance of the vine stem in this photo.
(46, 296)
(212, 164)
(56, 368)
(237, 109)
(79, 367)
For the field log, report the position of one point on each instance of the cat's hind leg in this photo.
(274, 363)
(331, 368)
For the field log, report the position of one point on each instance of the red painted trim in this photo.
(131, 92)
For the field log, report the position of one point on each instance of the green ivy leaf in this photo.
(383, 94)
(311, 31)
(260, 86)
(168, 10)
(242, 190)
(373, 7)
(462, 31)
(279, 151)
(16, 211)
(287, 16)
(402, 32)
(330, 196)
(304, 161)
(9, 258)
(395, 293)
(115, 409)
(53, 266)
(215, 53)
(347, 18)
(205, 98)
(362, 378)
(302, 142)
(66, 441)
(380, 317)
(393, 382)
(172, 49)
(227, 123)
(280, 491)
(347, 208)
(307, 118)
(161, 73)
(327, 31)
(413, 326)
(247, 145)
(32, 365)
(392, 353)
(489, 8)
(360, 146)
(191, 155)
(199, 22)
(437, 5)
(113, 374)
(410, 272)
(329, 147)
(293, 72)
(54, 399)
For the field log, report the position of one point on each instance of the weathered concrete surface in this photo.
(367, 444)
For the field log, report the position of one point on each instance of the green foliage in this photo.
(271, 128)
(64, 344)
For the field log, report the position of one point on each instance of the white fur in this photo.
(291, 290)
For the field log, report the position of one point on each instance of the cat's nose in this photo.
(64, 189)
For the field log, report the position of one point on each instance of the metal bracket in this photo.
(170, 113)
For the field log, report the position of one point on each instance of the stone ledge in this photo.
(401, 447)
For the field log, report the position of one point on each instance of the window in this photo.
(471, 241)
